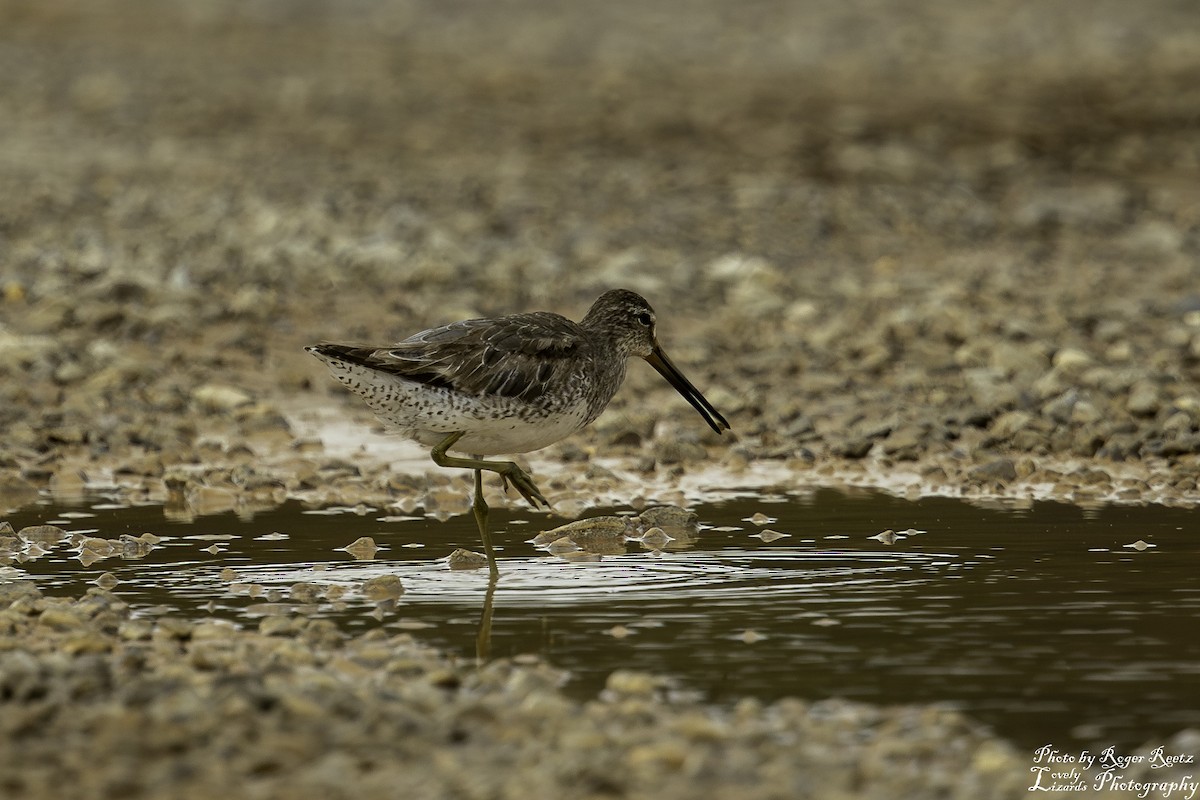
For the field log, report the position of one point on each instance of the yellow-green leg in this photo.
(483, 640)
(481, 513)
(508, 472)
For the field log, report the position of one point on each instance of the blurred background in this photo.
(916, 204)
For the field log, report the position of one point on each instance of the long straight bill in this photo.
(658, 359)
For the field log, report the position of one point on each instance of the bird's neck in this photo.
(608, 375)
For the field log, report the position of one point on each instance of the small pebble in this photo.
(96, 547)
(219, 398)
(382, 587)
(363, 548)
(305, 592)
(133, 547)
(412, 625)
(632, 683)
(465, 559)
(655, 539)
(674, 520)
(1001, 470)
(42, 534)
(581, 557)
(561, 546)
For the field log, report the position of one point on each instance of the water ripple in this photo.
(727, 575)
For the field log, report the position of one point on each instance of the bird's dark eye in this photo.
(645, 319)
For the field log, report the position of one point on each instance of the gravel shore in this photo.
(937, 247)
(113, 705)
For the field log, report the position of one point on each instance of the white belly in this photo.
(492, 425)
(486, 437)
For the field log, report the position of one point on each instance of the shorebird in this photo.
(506, 385)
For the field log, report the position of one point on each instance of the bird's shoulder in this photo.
(538, 333)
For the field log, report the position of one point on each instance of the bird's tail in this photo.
(347, 353)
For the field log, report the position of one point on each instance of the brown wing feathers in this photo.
(514, 356)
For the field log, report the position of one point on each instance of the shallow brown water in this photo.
(1040, 622)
